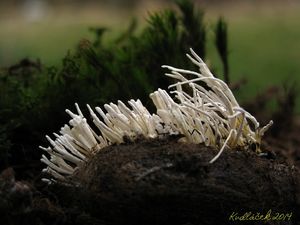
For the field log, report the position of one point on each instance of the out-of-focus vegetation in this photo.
(263, 47)
(263, 35)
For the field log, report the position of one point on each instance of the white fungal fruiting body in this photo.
(78, 143)
(204, 111)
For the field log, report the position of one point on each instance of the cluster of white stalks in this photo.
(204, 110)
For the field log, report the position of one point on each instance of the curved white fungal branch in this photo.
(204, 110)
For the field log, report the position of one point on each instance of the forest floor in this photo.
(164, 182)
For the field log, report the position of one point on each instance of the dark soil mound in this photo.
(158, 182)
(165, 182)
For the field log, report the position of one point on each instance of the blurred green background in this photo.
(264, 36)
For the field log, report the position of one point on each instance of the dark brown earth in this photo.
(286, 144)
(159, 182)
(165, 182)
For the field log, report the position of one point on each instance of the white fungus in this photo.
(203, 110)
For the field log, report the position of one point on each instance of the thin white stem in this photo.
(223, 147)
